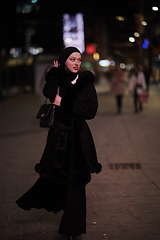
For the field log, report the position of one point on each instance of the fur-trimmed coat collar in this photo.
(59, 74)
(56, 78)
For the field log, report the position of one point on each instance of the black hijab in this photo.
(68, 75)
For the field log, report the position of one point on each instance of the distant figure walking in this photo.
(137, 86)
(118, 88)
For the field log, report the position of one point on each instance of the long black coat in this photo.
(70, 136)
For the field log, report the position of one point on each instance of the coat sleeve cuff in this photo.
(98, 168)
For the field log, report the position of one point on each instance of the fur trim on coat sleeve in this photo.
(52, 82)
(50, 89)
(54, 72)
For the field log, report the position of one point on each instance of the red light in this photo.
(90, 49)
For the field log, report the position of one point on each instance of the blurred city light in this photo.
(68, 40)
(128, 67)
(136, 34)
(12, 50)
(40, 50)
(144, 23)
(104, 63)
(24, 8)
(15, 52)
(132, 39)
(27, 7)
(73, 31)
(96, 56)
(145, 43)
(90, 49)
(122, 65)
(35, 51)
(112, 63)
(120, 18)
(155, 8)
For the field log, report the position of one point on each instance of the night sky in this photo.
(46, 21)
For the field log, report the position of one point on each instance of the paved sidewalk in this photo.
(123, 201)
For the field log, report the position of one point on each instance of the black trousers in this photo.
(74, 217)
(45, 194)
(119, 103)
(135, 98)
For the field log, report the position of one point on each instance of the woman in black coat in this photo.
(69, 157)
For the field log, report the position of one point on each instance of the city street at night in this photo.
(64, 49)
(123, 201)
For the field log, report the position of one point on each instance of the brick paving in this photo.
(123, 201)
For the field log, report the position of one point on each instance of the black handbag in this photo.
(46, 114)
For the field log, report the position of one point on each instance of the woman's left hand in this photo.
(57, 100)
(55, 63)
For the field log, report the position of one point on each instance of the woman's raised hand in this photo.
(55, 63)
(57, 100)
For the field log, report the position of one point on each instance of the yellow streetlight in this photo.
(96, 56)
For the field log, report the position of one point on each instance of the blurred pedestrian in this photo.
(147, 74)
(137, 86)
(69, 157)
(118, 88)
(156, 76)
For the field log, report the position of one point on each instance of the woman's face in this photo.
(73, 62)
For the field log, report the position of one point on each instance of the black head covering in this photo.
(65, 54)
(68, 75)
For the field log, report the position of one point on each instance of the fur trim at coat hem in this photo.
(97, 168)
(80, 178)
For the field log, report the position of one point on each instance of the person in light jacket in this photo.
(69, 156)
(118, 87)
(137, 86)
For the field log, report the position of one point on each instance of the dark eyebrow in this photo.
(75, 58)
